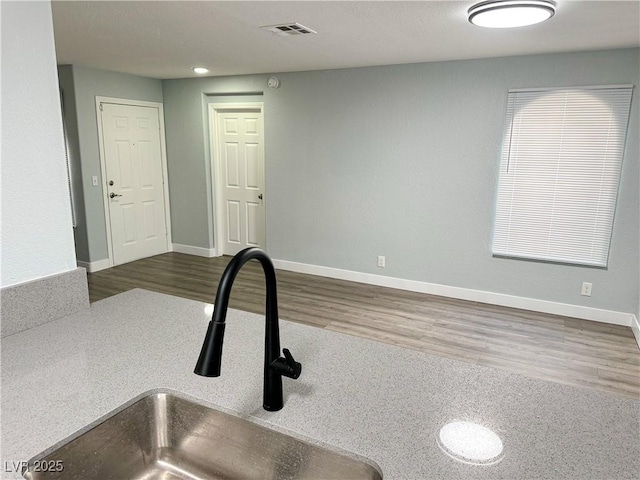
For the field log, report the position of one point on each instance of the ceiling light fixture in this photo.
(200, 70)
(511, 13)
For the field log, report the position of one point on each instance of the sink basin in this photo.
(164, 436)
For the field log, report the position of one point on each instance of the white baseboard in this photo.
(92, 267)
(635, 327)
(199, 251)
(534, 304)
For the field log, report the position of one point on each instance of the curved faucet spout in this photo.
(275, 367)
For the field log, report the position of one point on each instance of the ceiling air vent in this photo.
(288, 29)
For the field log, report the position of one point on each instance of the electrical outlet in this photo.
(381, 261)
(586, 289)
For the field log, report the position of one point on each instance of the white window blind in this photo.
(559, 173)
(68, 163)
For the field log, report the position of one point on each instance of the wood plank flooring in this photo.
(560, 349)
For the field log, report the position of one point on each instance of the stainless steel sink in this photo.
(164, 436)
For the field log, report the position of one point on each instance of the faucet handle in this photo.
(296, 367)
(287, 366)
(288, 357)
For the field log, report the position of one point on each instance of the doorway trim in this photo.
(216, 194)
(103, 167)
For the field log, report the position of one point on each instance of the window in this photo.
(559, 173)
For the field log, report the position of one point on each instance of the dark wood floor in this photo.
(560, 349)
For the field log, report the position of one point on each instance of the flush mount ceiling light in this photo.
(200, 70)
(511, 13)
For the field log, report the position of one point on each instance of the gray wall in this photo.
(402, 161)
(91, 234)
(188, 150)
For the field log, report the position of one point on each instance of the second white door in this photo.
(241, 167)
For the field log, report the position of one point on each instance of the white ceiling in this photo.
(164, 39)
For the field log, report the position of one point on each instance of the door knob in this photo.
(114, 195)
(260, 196)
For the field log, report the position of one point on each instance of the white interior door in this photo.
(134, 177)
(241, 158)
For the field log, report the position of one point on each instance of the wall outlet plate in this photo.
(586, 289)
(381, 261)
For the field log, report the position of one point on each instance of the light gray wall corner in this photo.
(27, 305)
(402, 161)
(636, 330)
(65, 79)
(188, 155)
(90, 83)
(185, 164)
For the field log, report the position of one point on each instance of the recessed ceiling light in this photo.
(200, 70)
(511, 13)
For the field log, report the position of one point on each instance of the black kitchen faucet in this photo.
(275, 366)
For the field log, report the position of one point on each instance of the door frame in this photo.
(103, 167)
(216, 175)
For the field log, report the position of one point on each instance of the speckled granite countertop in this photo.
(376, 400)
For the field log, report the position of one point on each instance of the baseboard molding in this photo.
(544, 306)
(92, 267)
(635, 328)
(199, 251)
